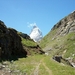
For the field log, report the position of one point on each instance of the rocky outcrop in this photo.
(25, 36)
(57, 58)
(10, 42)
(66, 25)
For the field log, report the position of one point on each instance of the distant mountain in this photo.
(61, 39)
(36, 34)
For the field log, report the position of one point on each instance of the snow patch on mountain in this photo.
(36, 34)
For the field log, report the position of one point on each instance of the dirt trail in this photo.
(47, 69)
(36, 71)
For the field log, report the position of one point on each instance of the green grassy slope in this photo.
(63, 45)
(29, 45)
(59, 69)
(28, 42)
(41, 65)
(26, 39)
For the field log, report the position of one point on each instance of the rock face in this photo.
(66, 25)
(10, 42)
(57, 58)
(25, 36)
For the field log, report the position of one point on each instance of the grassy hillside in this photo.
(61, 39)
(26, 39)
(60, 44)
(28, 42)
(47, 39)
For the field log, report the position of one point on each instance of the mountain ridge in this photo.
(65, 22)
(61, 39)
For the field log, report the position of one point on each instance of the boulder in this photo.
(57, 58)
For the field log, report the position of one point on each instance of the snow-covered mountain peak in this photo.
(35, 26)
(36, 34)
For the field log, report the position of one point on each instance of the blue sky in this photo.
(19, 14)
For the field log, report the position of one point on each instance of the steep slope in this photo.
(61, 39)
(29, 45)
(15, 44)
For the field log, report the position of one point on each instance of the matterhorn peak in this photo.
(36, 34)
